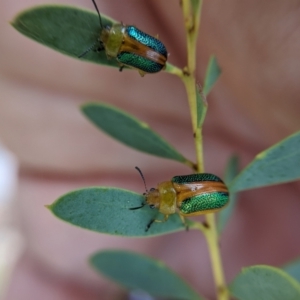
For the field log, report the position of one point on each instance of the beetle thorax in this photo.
(163, 198)
(112, 38)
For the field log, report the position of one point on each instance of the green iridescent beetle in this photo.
(131, 47)
(187, 195)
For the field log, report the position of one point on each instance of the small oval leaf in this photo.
(278, 164)
(265, 283)
(67, 29)
(136, 271)
(130, 131)
(201, 106)
(107, 210)
(213, 72)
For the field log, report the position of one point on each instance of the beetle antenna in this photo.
(101, 25)
(87, 50)
(138, 207)
(139, 170)
(100, 20)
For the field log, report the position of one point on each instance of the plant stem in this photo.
(191, 13)
(190, 85)
(212, 239)
(191, 22)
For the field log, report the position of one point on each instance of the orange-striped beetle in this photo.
(188, 195)
(131, 47)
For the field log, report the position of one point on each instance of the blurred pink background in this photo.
(254, 105)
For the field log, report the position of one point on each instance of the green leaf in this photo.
(265, 283)
(201, 106)
(67, 29)
(107, 210)
(213, 72)
(278, 164)
(230, 173)
(130, 131)
(293, 269)
(138, 272)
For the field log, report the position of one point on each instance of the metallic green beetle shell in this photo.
(200, 193)
(204, 202)
(196, 177)
(143, 61)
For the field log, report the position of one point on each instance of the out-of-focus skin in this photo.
(254, 104)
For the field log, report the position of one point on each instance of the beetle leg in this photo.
(149, 224)
(184, 222)
(162, 221)
(166, 218)
(157, 221)
(121, 68)
(142, 73)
